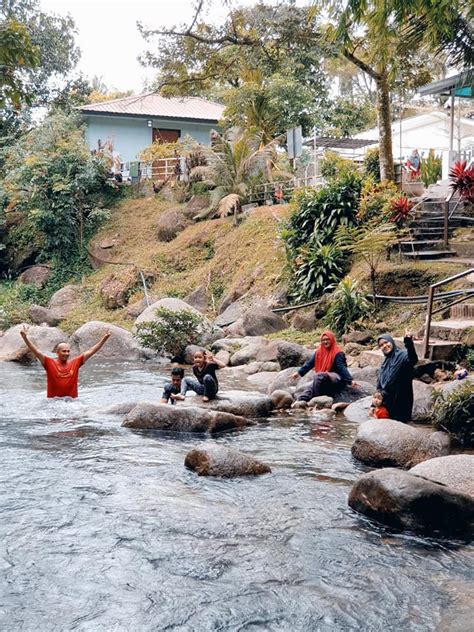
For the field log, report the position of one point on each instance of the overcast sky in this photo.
(109, 39)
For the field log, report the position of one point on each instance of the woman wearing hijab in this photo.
(396, 376)
(330, 367)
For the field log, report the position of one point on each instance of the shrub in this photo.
(309, 235)
(454, 413)
(171, 332)
(334, 166)
(348, 306)
(430, 168)
(375, 200)
(462, 180)
(400, 210)
(372, 164)
(319, 266)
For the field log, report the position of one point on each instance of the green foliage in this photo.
(17, 55)
(430, 168)
(170, 332)
(370, 243)
(59, 187)
(372, 164)
(343, 117)
(309, 236)
(454, 413)
(375, 200)
(334, 165)
(348, 307)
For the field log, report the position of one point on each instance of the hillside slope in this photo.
(214, 253)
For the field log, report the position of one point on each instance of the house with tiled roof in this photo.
(130, 124)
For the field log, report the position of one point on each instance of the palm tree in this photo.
(232, 160)
(372, 34)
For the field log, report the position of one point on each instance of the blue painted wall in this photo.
(132, 135)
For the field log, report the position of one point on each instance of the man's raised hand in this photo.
(24, 331)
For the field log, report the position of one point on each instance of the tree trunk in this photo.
(384, 123)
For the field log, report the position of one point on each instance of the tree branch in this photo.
(362, 65)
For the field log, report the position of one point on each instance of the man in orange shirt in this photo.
(61, 372)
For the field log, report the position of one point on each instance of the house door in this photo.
(165, 135)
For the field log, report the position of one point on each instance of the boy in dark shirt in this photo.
(173, 388)
(204, 369)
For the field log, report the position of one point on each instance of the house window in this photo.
(165, 135)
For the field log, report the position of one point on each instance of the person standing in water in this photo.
(62, 372)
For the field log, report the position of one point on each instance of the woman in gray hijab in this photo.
(396, 376)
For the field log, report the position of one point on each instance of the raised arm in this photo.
(211, 358)
(30, 345)
(90, 352)
(410, 347)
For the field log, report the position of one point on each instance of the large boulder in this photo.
(13, 349)
(170, 224)
(116, 288)
(196, 203)
(406, 501)
(136, 308)
(209, 333)
(232, 313)
(390, 443)
(120, 346)
(181, 419)
(259, 320)
(101, 252)
(212, 459)
(241, 403)
(366, 374)
(456, 471)
(281, 399)
(36, 275)
(358, 337)
(304, 322)
(352, 394)
(198, 298)
(65, 301)
(261, 380)
(283, 380)
(40, 315)
(291, 354)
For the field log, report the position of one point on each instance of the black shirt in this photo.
(207, 369)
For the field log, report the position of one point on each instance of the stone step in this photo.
(438, 350)
(421, 244)
(462, 311)
(451, 329)
(429, 254)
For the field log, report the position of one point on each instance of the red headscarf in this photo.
(324, 358)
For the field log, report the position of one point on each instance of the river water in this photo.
(102, 528)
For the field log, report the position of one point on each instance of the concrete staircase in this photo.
(447, 336)
(427, 227)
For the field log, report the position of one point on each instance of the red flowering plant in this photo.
(400, 210)
(462, 179)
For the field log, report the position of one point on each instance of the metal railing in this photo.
(272, 190)
(431, 298)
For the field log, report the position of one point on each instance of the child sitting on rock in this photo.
(204, 369)
(173, 388)
(377, 409)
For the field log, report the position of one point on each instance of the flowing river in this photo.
(102, 528)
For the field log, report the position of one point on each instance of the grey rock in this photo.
(387, 443)
(240, 403)
(322, 401)
(456, 471)
(261, 380)
(232, 313)
(405, 501)
(366, 374)
(281, 399)
(359, 337)
(121, 345)
(259, 320)
(304, 322)
(196, 203)
(423, 401)
(352, 394)
(36, 275)
(282, 380)
(40, 315)
(223, 356)
(291, 354)
(179, 418)
(170, 224)
(13, 349)
(198, 299)
(65, 301)
(353, 349)
(211, 459)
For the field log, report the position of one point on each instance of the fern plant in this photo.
(348, 307)
(454, 413)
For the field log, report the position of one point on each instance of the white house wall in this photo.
(131, 135)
